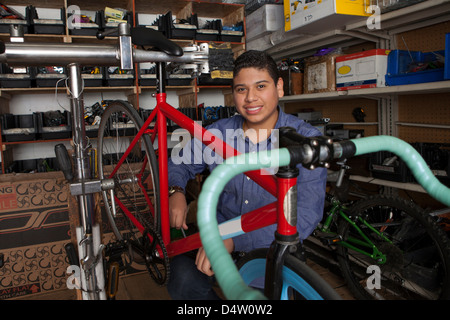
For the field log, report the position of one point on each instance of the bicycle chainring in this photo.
(157, 265)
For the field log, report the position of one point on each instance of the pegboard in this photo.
(427, 39)
(433, 108)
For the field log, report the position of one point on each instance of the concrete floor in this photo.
(141, 287)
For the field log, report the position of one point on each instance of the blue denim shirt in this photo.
(241, 194)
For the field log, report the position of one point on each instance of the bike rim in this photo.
(255, 269)
(135, 187)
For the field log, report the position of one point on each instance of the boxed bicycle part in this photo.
(86, 23)
(14, 15)
(232, 33)
(209, 31)
(45, 21)
(49, 76)
(115, 77)
(179, 79)
(112, 18)
(184, 29)
(16, 77)
(93, 76)
(54, 125)
(19, 127)
(266, 19)
(147, 74)
(366, 69)
(147, 21)
(316, 16)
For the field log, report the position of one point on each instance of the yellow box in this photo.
(317, 16)
(113, 13)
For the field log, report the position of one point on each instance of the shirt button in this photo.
(246, 201)
(248, 178)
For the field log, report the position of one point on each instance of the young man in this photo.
(257, 88)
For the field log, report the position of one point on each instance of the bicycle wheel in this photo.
(299, 281)
(414, 259)
(136, 186)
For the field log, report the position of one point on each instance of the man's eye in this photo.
(261, 86)
(240, 89)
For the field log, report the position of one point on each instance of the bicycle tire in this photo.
(299, 280)
(118, 127)
(417, 264)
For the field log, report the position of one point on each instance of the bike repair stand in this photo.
(82, 185)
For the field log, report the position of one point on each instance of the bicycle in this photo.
(235, 284)
(132, 179)
(396, 235)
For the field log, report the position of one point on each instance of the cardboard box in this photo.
(365, 69)
(320, 74)
(317, 16)
(266, 19)
(34, 226)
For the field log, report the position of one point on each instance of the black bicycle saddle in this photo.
(142, 36)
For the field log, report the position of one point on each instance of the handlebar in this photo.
(225, 270)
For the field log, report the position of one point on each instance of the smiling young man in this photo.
(257, 88)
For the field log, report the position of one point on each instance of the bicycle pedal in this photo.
(330, 240)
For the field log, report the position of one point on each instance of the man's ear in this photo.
(280, 89)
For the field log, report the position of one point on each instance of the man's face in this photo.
(256, 97)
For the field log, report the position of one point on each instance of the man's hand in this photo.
(202, 261)
(178, 210)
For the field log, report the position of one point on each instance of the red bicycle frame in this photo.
(256, 219)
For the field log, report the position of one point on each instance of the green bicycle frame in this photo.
(376, 254)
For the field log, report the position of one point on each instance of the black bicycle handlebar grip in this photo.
(63, 158)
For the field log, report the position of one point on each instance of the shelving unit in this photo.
(188, 95)
(414, 113)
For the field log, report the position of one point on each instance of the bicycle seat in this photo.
(143, 36)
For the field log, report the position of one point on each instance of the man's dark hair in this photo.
(259, 60)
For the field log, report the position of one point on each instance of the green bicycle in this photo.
(387, 247)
